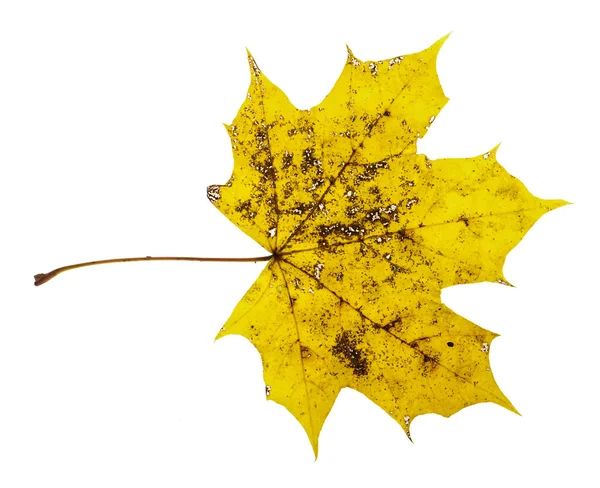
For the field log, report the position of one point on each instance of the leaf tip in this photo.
(503, 281)
(512, 408)
(352, 59)
(315, 447)
(489, 156)
(254, 69)
(500, 399)
(437, 45)
(220, 334)
(554, 204)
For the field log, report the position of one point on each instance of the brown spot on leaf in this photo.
(337, 229)
(246, 210)
(399, 269)
(305, 352)
(370, 171)
(286, 160)
(347, 351)
(430, 364)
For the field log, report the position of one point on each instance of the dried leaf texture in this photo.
(364, 234)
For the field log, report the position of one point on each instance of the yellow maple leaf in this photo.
(364, 233)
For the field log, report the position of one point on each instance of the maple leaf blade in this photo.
(367, 202)
(250, 194)
(371, 115)
(273, 318)
(401, 358)
(364, 234)
(474, 216)
(383, 107)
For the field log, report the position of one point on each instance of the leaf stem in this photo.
(42, 278)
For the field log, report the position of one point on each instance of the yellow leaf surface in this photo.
(364, 234)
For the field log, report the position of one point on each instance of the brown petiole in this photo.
(42, 278)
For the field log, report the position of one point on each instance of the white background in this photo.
(110, 131)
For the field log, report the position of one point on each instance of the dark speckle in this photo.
(450, 344)
(430, 364)
(337, 229)
(287, 159)
(246, 210)
(346, 350)
(399, 269)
